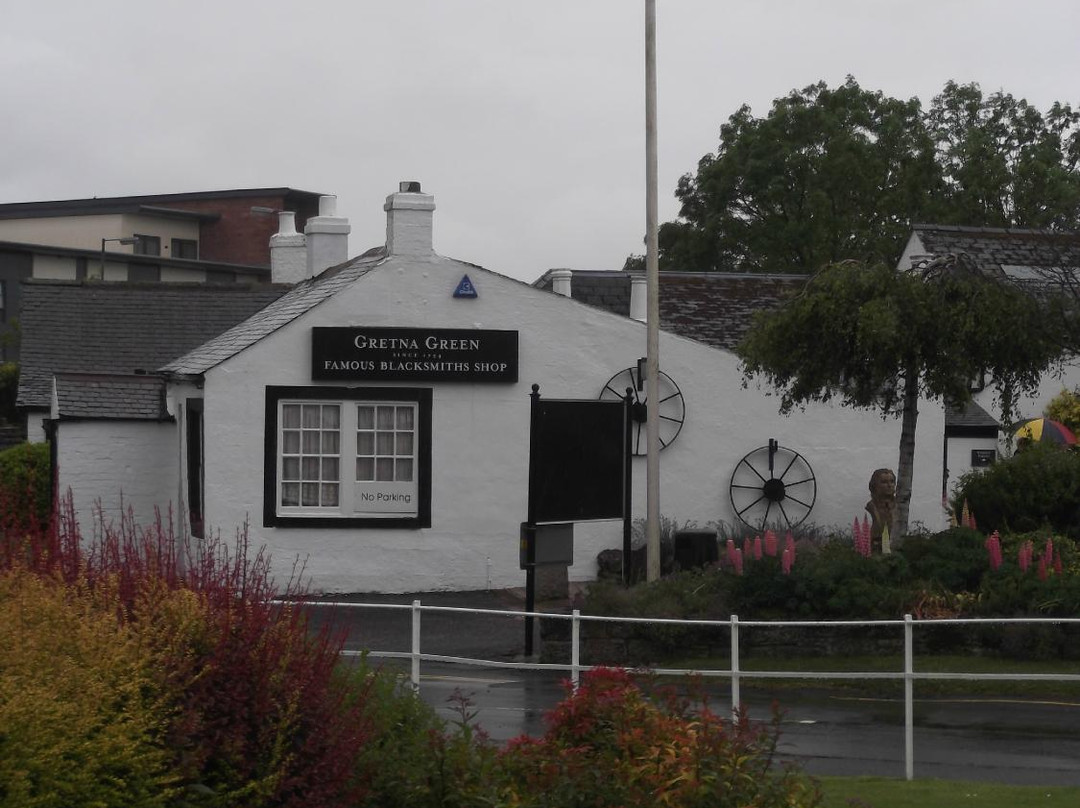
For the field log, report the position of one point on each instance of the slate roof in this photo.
(993, 248)
(300, 299)
(711, 307)
(139, 398)
(118, 328)
(969, 416)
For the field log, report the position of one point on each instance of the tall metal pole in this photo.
(652, 286)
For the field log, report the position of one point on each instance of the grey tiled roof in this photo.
(300, 299)
(969, 415)
(711, 307)
(118, 328)
(991, 248)
(102, 396)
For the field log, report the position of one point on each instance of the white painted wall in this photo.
(86, 232)
(480, 434)
(122, 464)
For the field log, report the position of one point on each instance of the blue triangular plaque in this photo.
(465, 288)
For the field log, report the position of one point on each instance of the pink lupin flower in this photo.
(787, 559)
(1024, 556)
(993, 548)
(738, 559)
(731, 551)
(757, 548)
(789, 545)
(770, 543)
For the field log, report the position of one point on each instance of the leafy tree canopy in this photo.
(875, 337)
(842, 173)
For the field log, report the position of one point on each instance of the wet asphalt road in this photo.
(999, 740)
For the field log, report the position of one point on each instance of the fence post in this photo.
(575, 647)
(735, 697)
(414, 674)
(909, 706)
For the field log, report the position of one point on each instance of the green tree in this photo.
(833, 174)
(877, 338)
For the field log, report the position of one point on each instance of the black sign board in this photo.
(577, 460)
(980, 458)
(413, 354)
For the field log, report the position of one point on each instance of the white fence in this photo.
(908, 674)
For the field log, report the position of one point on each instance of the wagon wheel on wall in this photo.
(773, 483)
(672, 411)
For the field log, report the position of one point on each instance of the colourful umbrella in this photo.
(1045, 430)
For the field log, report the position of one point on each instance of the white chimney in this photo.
(288, 251)
(409, 215)
(560, 281)
(327, 237)
(638, 297)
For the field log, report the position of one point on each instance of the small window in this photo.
(144, 273)
(185, 248)
(147, 245)
(348, 457)
(80, 269)
(220, 276)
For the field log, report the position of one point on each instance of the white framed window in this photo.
(342, 456)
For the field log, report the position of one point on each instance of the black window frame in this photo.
(143, 244)
(179, 246)
(422, 396)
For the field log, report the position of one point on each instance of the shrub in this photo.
(1036, 488)
(607, 744)
(25, 488)
(259, 712)
(9, 388)
(82, 720)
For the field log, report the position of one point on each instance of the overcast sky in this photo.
(524, 119)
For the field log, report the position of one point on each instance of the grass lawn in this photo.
(883, 792)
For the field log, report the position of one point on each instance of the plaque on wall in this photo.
(413, 354)
(980, 458)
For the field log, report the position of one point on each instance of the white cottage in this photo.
(374, 419)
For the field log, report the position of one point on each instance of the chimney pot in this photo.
(560, 282)
(327, 237)
(409, 214)
(638, 298)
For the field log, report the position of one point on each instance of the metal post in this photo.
(736, 698)
(909, 705)
(575, 648)
(530, 528)
(652, 319)
(628, 486)
(414, 674)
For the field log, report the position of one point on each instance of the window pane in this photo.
(365, 443)
(405, 418)
(330, 442)
(330, 495)
(290, 416)
(384, 443)
(385, 417)
(330, 468)
(365, 417)
(384, 469)
(311, 468)
(405, 444)
(311, 416)
(311, 442)
(290, 494)
(290, 468)
(310, 493)
(331, 417)
(290, 441)
(365, 469)
(404, 470)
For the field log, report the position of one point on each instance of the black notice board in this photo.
(577, 460)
